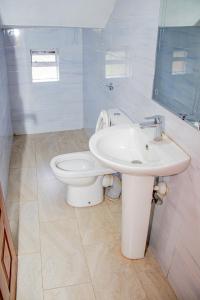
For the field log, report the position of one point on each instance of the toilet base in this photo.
(85, 196)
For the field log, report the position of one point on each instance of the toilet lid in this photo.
(103, 120)
(75, 165)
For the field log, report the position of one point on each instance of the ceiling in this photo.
(66, 13)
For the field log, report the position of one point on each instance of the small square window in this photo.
(179, 62)
(45, 67)
(178, 67)
(180, 54)
(119, 70)
(117, 64)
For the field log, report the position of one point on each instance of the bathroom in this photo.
(99, 150)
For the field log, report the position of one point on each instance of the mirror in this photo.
(177, 74)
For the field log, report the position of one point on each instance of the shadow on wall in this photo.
(5, 119)
(108, 62)
(17, 114)
(18, 66)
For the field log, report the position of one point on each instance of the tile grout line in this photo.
(67, 286)
(83, 248)
(111, 214)
(76, 220)
(39, 220)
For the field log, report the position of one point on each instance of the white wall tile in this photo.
(5, 119)
(184, 275)
(133, 26)
(52, 106)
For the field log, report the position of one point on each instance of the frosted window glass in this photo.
(179, 53)
(117, 64)
(116, 71)
(43, 58)
(178, 67)
(44, 74)
(45, 66)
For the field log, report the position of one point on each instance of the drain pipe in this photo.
(113, 185)
(107, 181)
(159, 192)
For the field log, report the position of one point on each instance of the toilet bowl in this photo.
(85, 177)
(83, 174)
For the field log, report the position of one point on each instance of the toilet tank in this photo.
(117, 117)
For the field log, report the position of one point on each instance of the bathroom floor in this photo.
(66, 253)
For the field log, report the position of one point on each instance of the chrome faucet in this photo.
(158, 122)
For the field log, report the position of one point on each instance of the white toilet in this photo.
(85, 177)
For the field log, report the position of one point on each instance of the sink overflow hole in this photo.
(137, 162)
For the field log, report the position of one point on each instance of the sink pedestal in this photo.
(136, 206)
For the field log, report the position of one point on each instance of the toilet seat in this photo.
(84, 176)
(75, 165)
(78, 164)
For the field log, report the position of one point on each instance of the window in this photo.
(45, 66)
(117, 64)
(179, 62)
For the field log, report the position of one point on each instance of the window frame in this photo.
(113, 57)
(179, 56)
(45, 64)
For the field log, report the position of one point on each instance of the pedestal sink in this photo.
(130, 150)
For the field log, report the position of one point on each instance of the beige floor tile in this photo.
(78, 292)
(67, 144)
(43, 138)
(113, 276)
(82, 140)
(47, 142)
(47, 147)
(22, 185)
(14, 227)
(29, 281)
(52, 204)
(44, 171)
(64, 231)
(23, 153)
(115, 205)
(117, 221)
(156, 286)
(73, 141)
(53, 144)
(96, 225)
(63, 260)
(12, 210)
(149, 263)
(115, 208)
(29, 239)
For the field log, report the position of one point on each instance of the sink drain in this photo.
(136, 162)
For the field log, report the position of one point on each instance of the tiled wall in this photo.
(52, 106)
(175, 236)
(5, 120)
(94, 90)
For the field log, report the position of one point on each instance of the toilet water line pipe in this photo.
(107, 181)
(159, 192)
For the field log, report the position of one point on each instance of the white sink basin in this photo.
(131, 150)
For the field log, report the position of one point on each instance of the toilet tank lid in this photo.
(117, 117)
(111, 117)
(103, 120)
